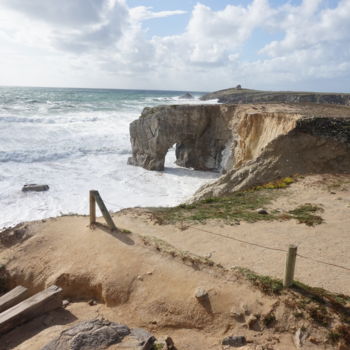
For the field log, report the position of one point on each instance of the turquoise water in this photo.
(75, 140)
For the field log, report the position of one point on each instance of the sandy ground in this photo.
(136, 285)
(328, 242)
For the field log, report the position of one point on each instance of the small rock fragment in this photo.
(245, 309)
(262, 211)
(92, 302)
(251, 321)
(149, 343)
(235, 341)
(65, 303)
(140, 334)
(200, 293)
(300, 336)
(170, 343)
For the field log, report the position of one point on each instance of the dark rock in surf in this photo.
(35, 188)
(186, 96)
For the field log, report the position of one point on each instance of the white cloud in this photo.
(105, 42)
(142, 13)
(213, 35)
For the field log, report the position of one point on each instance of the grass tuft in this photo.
(266, 284)
(305, 214)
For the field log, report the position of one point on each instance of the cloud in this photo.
(62, 12)
(75, 25)
(142, 13)
(214, 34)
(109, 42)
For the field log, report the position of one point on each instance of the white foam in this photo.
(76, 150)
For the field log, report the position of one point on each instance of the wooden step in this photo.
(13, 297)
(40, 303)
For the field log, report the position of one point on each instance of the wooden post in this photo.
(92, 208)
(290, 266)
(97, 199)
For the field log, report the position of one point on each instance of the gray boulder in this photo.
(93, 334)
(234, 341)
(35, 187)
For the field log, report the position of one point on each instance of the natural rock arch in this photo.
(199, 132)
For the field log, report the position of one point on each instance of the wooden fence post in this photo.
(96, 198)
(92, 208)
(290, 266)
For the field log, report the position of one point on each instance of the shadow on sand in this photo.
(121, 236)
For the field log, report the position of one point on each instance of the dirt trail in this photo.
(328, 242)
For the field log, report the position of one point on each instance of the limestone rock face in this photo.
(200, 133)
(250, 144)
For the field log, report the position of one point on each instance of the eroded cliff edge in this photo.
(250, 144)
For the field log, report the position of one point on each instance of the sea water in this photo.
(75, 140)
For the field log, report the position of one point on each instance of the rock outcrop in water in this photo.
(251, 144)
(240, 95)
(199, 132)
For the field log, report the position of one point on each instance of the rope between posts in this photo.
(323, 262)
(269, 248)
(261, 246)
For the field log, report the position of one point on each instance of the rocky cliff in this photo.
(250, 144)
(199, 132)
(235, 95)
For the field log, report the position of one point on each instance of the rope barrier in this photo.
(269, 248)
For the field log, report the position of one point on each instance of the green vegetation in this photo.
(266, 284)
(239, 206)
(305, 214)
(187, 257)
(124, 230)
(281, 183)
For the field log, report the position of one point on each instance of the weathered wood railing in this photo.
(96, 198)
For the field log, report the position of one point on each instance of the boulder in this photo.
(100, 334)
(234, 341)
(35, 188)
(93, 334)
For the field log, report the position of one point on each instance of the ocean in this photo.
(75, 140)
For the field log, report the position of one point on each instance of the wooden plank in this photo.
(40, 303)
(92, 208)
(13, 297)
(104, 211)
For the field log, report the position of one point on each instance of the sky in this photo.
(200, 45)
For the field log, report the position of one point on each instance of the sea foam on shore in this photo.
(75, 140)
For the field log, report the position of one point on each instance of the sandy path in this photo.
(328, 242)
